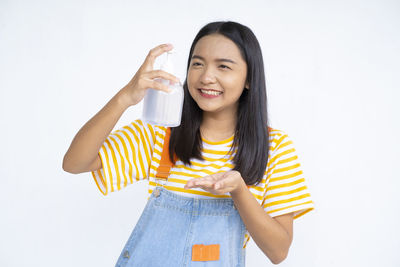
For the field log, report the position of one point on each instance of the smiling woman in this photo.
(222, 176)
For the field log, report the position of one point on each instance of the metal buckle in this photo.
(164, 181)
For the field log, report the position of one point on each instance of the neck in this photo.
(218, 126)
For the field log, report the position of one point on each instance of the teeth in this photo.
(209, 92)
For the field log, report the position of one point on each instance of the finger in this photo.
(161, 74)
(216, 176)
(154, 53)
(218, 185)
(190, 183)
(157, 85)
(204, 183)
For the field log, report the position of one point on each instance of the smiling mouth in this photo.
(210, 92)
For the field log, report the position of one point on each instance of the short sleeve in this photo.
(286, 189)
(125, 156)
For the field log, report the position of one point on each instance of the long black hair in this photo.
(251, 132)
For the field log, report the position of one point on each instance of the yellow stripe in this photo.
(158, 147)
(108, 164)
(101, 179)
(284, 193)
(181, 166)
(284, 169)
(279, 146)
(208, 172)
(133, 155)
(273, 187)
(149, 126)
(288, 207)
(201, 165)
(287, 160)
(189, 191)
(153, 136)
(258, 188)
(273, 134)
(158, 152)
(215, 152)
(186, 174)
(153, 168)
(283, 201)
(116, 163)
(143, 141)
(278, 141)
(219, 142)
(257, 196)
(277, 156)
(160, 135)
(246, 243)
(214, 160)
(303, 212)
(279, 178)
(282, 144)
(126, 157)
(147, 140)
(139, 155)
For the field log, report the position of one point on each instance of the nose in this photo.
(207, 76)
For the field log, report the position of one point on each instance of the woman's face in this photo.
(217, 74)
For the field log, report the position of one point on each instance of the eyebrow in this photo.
(218, 59)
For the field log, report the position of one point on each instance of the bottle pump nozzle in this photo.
(167, 66)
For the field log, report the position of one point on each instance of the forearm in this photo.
(267, 233)
(88, 141)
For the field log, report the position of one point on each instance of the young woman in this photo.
(220, 177)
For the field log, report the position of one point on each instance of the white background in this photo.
(332, 71)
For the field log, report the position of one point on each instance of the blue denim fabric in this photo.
(170, 224)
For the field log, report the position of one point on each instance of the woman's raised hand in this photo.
(135, 90)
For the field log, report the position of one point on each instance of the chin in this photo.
(209, 109)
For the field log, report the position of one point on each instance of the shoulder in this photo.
(278, 138)
(276, 134)
(144, 125)
(156, 130)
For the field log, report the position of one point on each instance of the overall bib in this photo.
(175, 230)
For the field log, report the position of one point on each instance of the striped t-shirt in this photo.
(133, 153)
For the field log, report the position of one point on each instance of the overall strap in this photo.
(165, 163)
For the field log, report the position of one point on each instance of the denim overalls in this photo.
(175, 230)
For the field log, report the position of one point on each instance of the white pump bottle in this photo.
(162, 108)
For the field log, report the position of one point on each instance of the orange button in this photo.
(202, 252)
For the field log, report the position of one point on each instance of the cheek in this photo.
(190, 80)
(236, 87)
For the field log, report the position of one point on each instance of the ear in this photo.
(247, 86)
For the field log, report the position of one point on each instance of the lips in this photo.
(210, 89)
(209, 93)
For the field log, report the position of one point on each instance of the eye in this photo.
(224, 66)
(194, 64)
